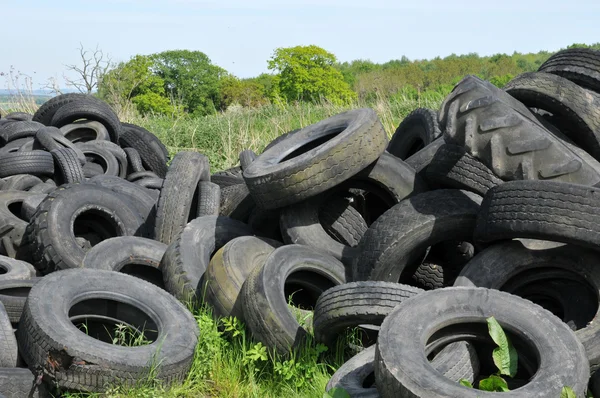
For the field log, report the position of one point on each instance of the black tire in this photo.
(20, 383)
(453, 167)
(415, 132)
(236, 202)
(30, 204)
(15, 269)
(189, 254)
(85, 131)
(209, 199)
(47, 331)
(131, 255)
(264, 294)
(153, 153)
(265, 223)
(505, 136)
(545, 210)
(228, 270)
(50, 138)
(34, 162)
(8, 344)
(89, 110)
(575, 110)
(154, 183)
(279, 138)
(247, 156)
(92, 170)
(13, 294)
(225, 178)
(342, 221)
(11, 204)
(389, 178)
(17, 130)
(316, 158)
(68, 168)
(403, 370)
(579, 65)
(139, 175)
(420, 160)
(176, 205)
(20, 182)
(46, 111)
(394, 244)
(134, 161)
(21, 116)
(102, 156)
(565, 280)
(44, 187)
(350, 305)
(15, 145)
(74, 211)
(117, 152)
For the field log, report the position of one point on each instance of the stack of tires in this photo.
(487, 207)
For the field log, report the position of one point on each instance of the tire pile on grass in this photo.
(487, 207)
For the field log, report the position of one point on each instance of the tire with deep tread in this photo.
(579, 65)
(68, 168)
(34, 162)
(46, 111)
(236, 202)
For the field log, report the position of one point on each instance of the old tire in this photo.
(416, 131)
(579, 65)
(153, 153)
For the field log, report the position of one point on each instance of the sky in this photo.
(41, 37)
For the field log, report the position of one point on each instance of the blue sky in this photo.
(41, 37)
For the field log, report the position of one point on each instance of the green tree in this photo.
(134, 83)
(190, 78)
(246, 92)
(308, 73)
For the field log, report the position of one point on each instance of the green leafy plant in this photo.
(567, 392)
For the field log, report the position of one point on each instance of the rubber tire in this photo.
(420, 127)
(236, 202)
(209, 199)
(46, 111)
(579, 65)
(154, 183)
(153, 153)
(402, 368)
(279, 139)
(92, 170)
(50, 232)
(174, 209)
(545, 210)
(246, 157)
(134, 161)
(89, 110)
(353, 304)
(15, 145)
(499, 266)
(21, 116)
(225, 178)
(117, 152)
(9, 205)
(19, 383)
(79, 131)
(13, 294)
(394, 244)
(504, 135)
(47, 330)
(30, 204)
(116, 253)
(576, 110)
(263, 299)
(20, 182)
(188, 256)
(15, 269)
(453, 167)
(342, 221)
(8, 344)
(275, 182)
(228, 270)
(18, 130)
(68, 168)
(101, 156)
(140, 175)
(34, 162)
(50, 138)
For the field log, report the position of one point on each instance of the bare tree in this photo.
(94, 64)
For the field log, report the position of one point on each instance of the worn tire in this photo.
(416, 131)
(175, 206)
(394, 244)
(46, 330)
(225, 178)
(209, 199)
(246, 157)
(46, 111)
(187, 257)
(89, 110)
(68, 168)
(18, 130)
(563, 278)
(102, 156)
(20, 383)
(50, 138)
(322, 156)
(22, 116)
(579, 65)
(236, 202)
(132, 255)
(61, 218)
(505, 136)
(85, 131)
(13, 294)
(8, 344)
(264, 299)
(403, 370)
(134, 161)
(575, 110)
(34, 162)
(228, 270)
(153, 153)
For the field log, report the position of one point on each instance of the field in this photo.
(227, 363)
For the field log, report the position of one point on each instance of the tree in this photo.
(94, 64)
(133, 83)
(307, 73)
(247, 92)
(189, 77)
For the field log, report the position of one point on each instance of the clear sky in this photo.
(40, 37)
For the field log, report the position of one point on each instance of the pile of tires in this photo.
(485, 207)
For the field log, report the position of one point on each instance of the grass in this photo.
(227, 362)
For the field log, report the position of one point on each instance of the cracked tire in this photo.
(90, 364)
(579, 65)
(415, 132)
(265, 297)
(576, 111)
(315, 158)
(505, 136)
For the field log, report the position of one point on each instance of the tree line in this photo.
(187, 82)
